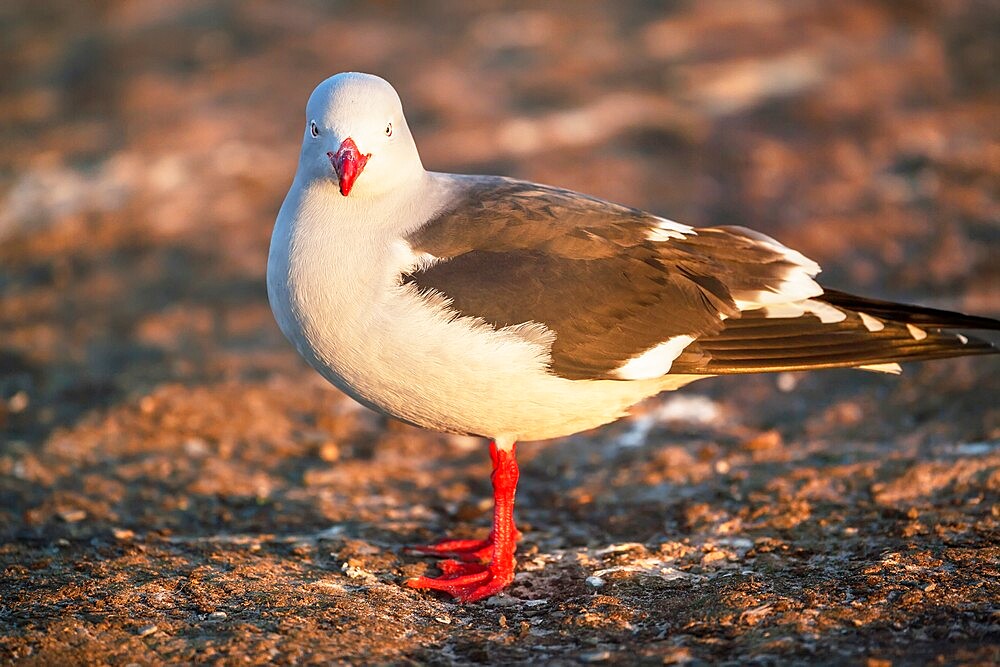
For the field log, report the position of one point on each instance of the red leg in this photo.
(470, 581)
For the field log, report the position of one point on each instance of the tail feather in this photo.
(872, 333)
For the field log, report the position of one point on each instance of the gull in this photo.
(517, 311)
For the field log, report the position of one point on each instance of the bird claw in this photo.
(466, 550)
(468, 582)
(470, 551)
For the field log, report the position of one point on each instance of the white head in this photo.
(355, 124)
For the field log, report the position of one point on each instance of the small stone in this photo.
(594, 581)
(788, 381)
(329, 452)
(443, 619)
(848, 412)
(677, 656)
(147, 630)
(965, 449)
(353, 571)
(501, 600)
(218, 616)
(595, 656)
(196, 447)
(713, 557)
(72, 516)
(18, 402)
(764, 441)
(123, 534)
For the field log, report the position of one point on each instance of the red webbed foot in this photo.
(477, 569)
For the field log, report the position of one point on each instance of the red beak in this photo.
(348, 162)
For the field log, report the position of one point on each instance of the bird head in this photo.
(356, 136)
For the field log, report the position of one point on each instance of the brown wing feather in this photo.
(514, 252)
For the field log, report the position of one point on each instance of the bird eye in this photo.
(313, 130)
(388, 129)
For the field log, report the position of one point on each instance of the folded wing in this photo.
(629, 295)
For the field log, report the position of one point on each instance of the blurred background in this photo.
(145, 392)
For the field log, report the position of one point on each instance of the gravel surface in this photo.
(177, 487)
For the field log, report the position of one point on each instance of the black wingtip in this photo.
(908, 314)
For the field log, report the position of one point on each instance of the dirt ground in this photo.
(176, 486)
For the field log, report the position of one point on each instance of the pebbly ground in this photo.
(177, 487)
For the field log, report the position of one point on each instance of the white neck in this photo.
(340, 254)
